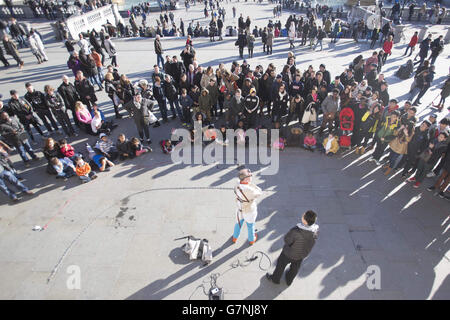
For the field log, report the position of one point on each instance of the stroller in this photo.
(346, 119)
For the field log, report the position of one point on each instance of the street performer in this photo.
(246, 195)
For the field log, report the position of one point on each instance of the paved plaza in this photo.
(119, 229)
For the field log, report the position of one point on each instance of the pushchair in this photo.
(346, 119)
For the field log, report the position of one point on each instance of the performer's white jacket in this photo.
(246, 201)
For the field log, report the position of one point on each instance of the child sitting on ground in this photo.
(136, 147)
(83, 170)
(281, 143)
(124, 147)
(166, 146)
(100, 160)
(330, 145)
(222, 138)
(64, 168)
(67, 150)
(309, 143)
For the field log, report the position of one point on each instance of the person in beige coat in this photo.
(399, 147)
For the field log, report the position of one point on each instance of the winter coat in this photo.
(400, 143)
(246, 195)
(269, 40)
(298, 243)
(13, 131)
(37, 100)
(69, 94)
(170, 91)
(85, 88)
(204, 102)
(158, 47)
(55, 102)
(20, 108)
(387, 131)
(334, 144)
(329, 105)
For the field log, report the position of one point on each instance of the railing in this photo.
(94, 19)
(25, 12)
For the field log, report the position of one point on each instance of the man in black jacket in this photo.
(23, 110)
(298, 243)
(416, 146)
(70, 96)
(85, 90)
(241, 43)
(37, 101)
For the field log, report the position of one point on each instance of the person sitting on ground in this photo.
(309, 143)
(166, 146)
(83, 170)
(136, 147)
(330, 144)
(66, 149)
(222, 137)
(102, 163)
(64, 168)
(124, 147)
(84, 117)
(106, 147)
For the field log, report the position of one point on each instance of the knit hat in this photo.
(102, 135)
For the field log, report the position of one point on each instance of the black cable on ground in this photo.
(212, 279)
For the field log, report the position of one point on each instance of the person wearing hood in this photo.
(204, 103)
(246, 194)
(298, 243)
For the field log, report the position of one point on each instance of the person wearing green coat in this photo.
(385, 134)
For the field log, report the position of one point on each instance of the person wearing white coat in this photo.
(292, 35)
(246, 195)
(37, 42)
(111, 50)
(34, 49)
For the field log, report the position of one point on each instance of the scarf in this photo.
(314, 228)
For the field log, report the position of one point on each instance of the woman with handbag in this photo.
(312, 105)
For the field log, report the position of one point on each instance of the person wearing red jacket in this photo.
(412, 43)
(387, 47)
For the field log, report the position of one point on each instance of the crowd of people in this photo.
(241, 97)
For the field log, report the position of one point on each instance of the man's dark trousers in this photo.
(282, 262)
